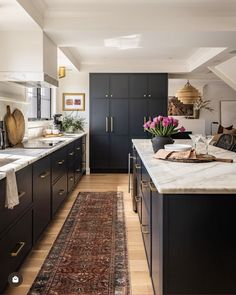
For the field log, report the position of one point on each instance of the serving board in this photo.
(15, 125)
(201, 158)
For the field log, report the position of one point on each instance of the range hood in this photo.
(30, 80)
(28, 59)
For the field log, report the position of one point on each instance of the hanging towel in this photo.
(12, 197)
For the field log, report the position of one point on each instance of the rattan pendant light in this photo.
(188, 94)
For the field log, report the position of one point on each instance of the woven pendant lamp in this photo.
(188, 94)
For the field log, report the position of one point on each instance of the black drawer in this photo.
(15, 245)
(24, 185)
(78, 168)
(78, 148)
(59, 165)
(70, 155)
(41, 196)
(59, 193)
(146, 232)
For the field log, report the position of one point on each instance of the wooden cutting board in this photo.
(202, 158)
(15, 125)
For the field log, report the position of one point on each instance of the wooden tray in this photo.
(201, 158)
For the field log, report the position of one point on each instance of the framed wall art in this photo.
(73, 101)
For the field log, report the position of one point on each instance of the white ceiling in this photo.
(172, 32)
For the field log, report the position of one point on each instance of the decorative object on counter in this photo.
(195, 139)
(188, 94)
(98, 219)
(57, 120)
(15, 126)
(188, 157)
(162, 128)
(177, 108)
(61, 72)
(73, 101)
(201, 104)
(72, 124)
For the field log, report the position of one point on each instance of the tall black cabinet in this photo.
(119, 105)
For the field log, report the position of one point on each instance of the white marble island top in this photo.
(24, 157)
(192, 178)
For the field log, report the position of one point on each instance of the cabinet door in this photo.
(137, 116)
(119, 86)
(138, 86)
(99, 152)
(41, 196)
(99, 85)
(156, 107)
(158, 86)
(146, 232)
(157, 241)
(99, 117)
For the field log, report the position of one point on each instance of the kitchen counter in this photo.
(192, 178)
(27, 156)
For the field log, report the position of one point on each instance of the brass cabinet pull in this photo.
(78, 170)
(60, 162)
(78, 148)
(137, 166)
(144, 183)
(112, 124)
(145, 232)
(107, 124)
(137, 199)
(21, 194)
(71, 154)
(61, 192)
(44, 175)
(152, 187)
(71, 178)
(149, 95)
(16, 253)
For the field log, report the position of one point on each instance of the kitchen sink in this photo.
(4, 162)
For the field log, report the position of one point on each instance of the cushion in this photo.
(221, 128)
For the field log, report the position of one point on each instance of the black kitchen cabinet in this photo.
(119, 106)
(59, 193)
(24, 184)
(41, 196)
(59, 163)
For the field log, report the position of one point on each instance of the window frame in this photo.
(39, 98)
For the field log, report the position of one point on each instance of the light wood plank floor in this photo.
(140, 281)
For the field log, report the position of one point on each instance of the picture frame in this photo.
(73, 101)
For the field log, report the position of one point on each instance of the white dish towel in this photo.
(12, 197)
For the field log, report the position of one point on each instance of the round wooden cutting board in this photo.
(15, 125)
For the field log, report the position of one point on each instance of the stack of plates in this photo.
(177, 147)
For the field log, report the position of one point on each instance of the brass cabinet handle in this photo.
(145, 95)
(16, 253)
(71, 178)
(61, 192)
(71, 154)
(145, 232)
(60, 162)
(21, 194)
(78, 148)
(111, 95)
(149, 95)
(137, 166)
(137, 199)
(107, 124)
(112, 124)
(44, 175)
(152, 187)
(144, 183)
(106, 95)
(78, 170)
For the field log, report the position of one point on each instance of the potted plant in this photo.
(199, 105)
(162, 128)
(73, 124)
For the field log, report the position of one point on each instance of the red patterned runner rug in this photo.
(89, 256)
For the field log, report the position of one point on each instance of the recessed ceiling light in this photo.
(124, 42)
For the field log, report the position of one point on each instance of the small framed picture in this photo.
(73, 101)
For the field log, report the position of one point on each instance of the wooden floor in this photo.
(140, 281)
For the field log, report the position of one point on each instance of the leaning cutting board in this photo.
(15, 125)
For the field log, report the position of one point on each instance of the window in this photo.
(39, 103)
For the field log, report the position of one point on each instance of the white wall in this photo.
(75, 82)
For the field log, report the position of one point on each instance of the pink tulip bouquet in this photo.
(163, 126)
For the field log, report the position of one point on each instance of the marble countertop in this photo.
(193, 178)
(24, 157)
